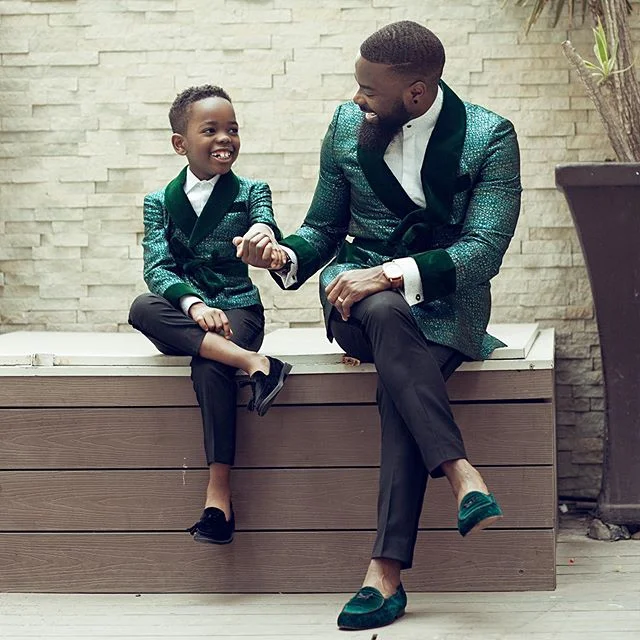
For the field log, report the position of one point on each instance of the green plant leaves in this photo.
(606, 55)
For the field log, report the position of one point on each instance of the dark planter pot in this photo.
(605, 204)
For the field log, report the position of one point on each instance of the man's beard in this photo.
(376, 135)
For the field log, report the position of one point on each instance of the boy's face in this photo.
(211, 142)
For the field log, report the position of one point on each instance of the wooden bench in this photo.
(102, 468)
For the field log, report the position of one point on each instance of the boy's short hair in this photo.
(179, 112)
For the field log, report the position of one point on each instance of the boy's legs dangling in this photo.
(173, 333)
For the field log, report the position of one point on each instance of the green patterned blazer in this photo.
(185, 254)
(471, 181)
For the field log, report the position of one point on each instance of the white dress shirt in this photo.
(404, 157)
(198, 191)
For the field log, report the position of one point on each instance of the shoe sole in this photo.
(198, 537)
(483, 524)
(267, 402)
(346, 628)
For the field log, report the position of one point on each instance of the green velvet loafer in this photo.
(477, 511)
(368, 609)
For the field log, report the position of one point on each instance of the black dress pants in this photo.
(418, 429)
(175, 334)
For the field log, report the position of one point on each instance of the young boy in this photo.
(202, 302)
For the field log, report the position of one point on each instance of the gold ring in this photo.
(340, 300)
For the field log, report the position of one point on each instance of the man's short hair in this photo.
(179, 112)
(408, 47)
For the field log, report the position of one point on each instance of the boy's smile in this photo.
(211, 142)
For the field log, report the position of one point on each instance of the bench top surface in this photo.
(98, 353)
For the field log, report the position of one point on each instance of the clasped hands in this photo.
(259, 248)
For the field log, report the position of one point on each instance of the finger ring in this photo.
(340, 300)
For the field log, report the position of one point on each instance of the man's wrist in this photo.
(393, 274)
(286, 267)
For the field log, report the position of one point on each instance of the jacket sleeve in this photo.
(488, 226)
(325, 226)
(261, 208)
(160, 272)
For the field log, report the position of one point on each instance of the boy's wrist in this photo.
(193, 307)
(263, 228)
(186, 302)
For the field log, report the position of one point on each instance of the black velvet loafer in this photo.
(267, 387)
(213, 527)
(477, 511)
(368, 609)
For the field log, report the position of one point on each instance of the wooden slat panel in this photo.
(346, 388)
(291, 436)
(269, 562)
(508, 434)
(501, 385)
(263, 498)
(99, 391)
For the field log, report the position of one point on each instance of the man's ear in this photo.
(418, 90)
(179, 144)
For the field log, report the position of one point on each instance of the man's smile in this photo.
(369, 114)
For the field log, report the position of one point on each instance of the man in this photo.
(428, 189)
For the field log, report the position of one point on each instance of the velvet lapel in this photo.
(383, 183)
(222, 197)
(178, 205)
(439, 168)
(182, 213)
(442, 158)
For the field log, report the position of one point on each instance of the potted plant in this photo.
(604, 199)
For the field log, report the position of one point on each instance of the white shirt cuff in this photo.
(186, 302)
(290, 278)
(412, 290)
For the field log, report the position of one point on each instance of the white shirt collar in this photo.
(191, 180)
(427, 121)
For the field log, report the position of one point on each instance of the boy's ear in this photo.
(179, 144)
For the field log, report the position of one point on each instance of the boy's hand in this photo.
(256, 246)
(210, 319)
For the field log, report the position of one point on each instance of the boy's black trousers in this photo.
(175, 334)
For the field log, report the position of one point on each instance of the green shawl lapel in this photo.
(182, 213)
(439, 174)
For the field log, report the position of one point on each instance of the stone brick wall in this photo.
(85, 87)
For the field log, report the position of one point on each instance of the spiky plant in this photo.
(611, 80)
(575, 8)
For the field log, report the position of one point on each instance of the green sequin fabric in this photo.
(189, 255)
(473, 202)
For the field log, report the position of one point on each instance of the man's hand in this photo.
(352, 286)
(211, 319)
(279, 258)
(258, 247)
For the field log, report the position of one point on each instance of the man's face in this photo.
(381, 95)
(211, 141)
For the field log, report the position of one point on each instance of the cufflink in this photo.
(418, 297)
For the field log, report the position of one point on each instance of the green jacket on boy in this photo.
(186, 254)
(471, 181)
